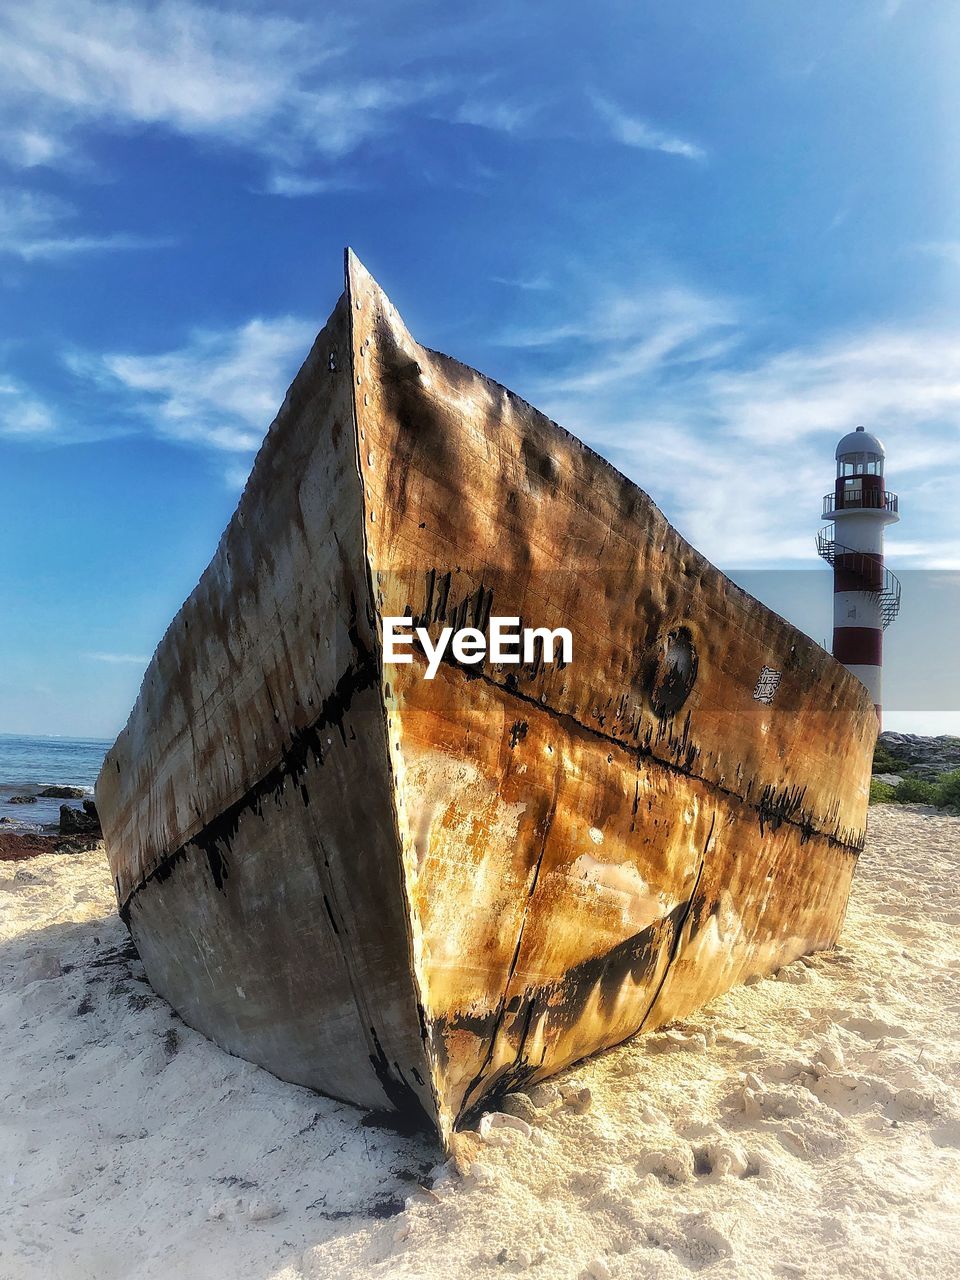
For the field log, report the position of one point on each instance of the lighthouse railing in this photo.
(863, 500)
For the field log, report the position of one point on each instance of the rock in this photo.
(544, 1096)
(923, 756)
(577, 1097)
(519, 1105)
(494, 1120)
(597, 1270)
(62, 793)
(22, 800)
(77, 844)
(262, 1210)
(79, 821)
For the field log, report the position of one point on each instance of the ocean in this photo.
(27, 765)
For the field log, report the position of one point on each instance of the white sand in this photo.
(804, 1126)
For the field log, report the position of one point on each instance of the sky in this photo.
(708, 239)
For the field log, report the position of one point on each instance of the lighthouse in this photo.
(866, 595)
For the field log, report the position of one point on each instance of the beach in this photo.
(807, 1125)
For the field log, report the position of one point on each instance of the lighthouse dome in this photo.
(860, 441)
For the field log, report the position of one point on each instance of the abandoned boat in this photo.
(416, 894)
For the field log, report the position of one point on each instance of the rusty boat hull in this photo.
(415, 894)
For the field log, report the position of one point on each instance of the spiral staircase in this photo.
(863, 567)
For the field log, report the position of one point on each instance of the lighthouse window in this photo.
(860, 464)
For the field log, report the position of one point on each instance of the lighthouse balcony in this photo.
(858, 499)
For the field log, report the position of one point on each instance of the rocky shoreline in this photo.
(916, 755)
(15, 845)
(79, 829)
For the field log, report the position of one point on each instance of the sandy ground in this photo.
(806, 1126)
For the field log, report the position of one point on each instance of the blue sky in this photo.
(707, 238)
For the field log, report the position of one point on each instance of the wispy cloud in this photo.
(269, 83)
(136, 659)
(626, 335)
(679, 388)
(23, 415)
(32, 228)
(930, 551)
(302, 94)
(67, 246)
(904, 377)
(534, 283)
(499, 115)
(193, 68)
(642, 134)
(286, 183)
(738, 447)
(221, 389)
(28, 148)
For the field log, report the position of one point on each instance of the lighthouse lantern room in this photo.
(866, 595)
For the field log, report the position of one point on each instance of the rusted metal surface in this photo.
(430, 890)
(247, 805)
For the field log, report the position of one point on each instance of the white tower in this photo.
(866, 595)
